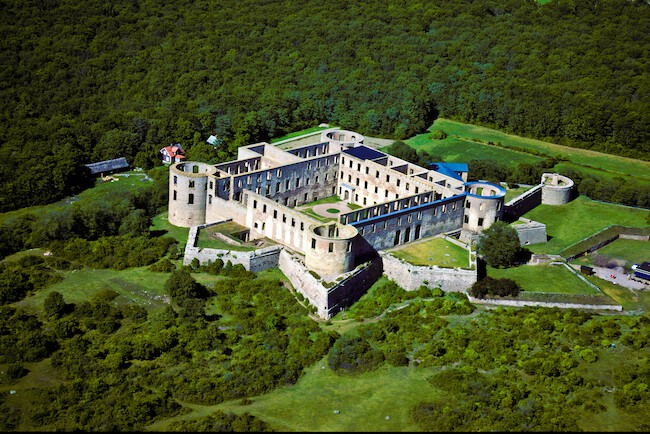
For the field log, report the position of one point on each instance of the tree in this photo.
(54, 305)
(181, 286)
(499, 245)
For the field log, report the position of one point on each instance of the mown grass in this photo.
(207, 239)
(605, 164)
(511, 193)
(569, 223)
(631, 251)
(435, 251)
(298, 133)
(543, 278)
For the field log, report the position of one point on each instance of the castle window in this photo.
(305, 197)
(209, 199)
(349, 247)
(284, 218)
(498, 206)
(385, 224)
(267, 191)
(307, 181)
(480, 221)
(356, 198)
(398, 182)
(174, 194)
(258, 189)
(480, 207)
(191, 184)
(275, 213)
(386, 193)
(399, 221)
(376, 189)
(341, 175)
(367, 170)
(407, 186)
(419, 215)
(357, 182)
(190, 199)
(350, 164)
(313, 243)
(211, 185)
(408, 219)
(362, 231)
(308, 166)
(466, 219)
(248, 180)
(297, 182)
(286, 184)
(264, 208)
(277, 187)
(263, 225)
(435, 211)
(364, 200)
(175, 179)
(396, 240)
(327, 175)
(377, 174)
(467, 204)
(239, 183)
(387, 178)
(444, 208)
(365, 185)
(330, 247)
(358, 167)
(349, 178)
(302, 226)
(254, 204)
(195, 169)
(453, 206)
(279, 174)
(268, 176)
(342, 160)
(373, 228)
(318, 164)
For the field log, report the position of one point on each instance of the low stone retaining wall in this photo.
(411, 277)
(522, 303)
(256, 260)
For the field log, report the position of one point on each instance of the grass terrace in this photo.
(161, 223)
(433, 251)
(544, 278)
(628, 252)
(570, 223)
(226, 236)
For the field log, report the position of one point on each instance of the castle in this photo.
(392, 202)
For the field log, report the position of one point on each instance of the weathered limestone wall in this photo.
(256, 260)
(521, 303)
(344, 291)
(188, 184)
(270, 219)
(531, 232)
(411, 277)
(523, 203)
(556, 189)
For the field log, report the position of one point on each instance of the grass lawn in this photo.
(208, 241)
(511, 193)
(543, 278)
(135, 285)
(604, 163)
(434, 251)
(161, 223)
(298, 133)
(631, 251)
(461, 150)
(567, 224)
(364, 402)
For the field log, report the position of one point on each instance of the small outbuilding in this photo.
(108, 166)
(586, 270)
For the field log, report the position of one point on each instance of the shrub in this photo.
(438, 135)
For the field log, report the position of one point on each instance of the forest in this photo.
(85, 81)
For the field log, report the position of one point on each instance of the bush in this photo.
(353, 355)
(438, 135)
(500, 287)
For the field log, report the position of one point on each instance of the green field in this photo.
(298, 133)
(434, 251)
(161, 223)
(543, 278)
(461, 146)
(364, 402)
(567, 224)
(134, 285)
(630, 251)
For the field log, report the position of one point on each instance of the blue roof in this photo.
(450, 169)
(364, 153)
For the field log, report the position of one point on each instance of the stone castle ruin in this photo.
(396, 202)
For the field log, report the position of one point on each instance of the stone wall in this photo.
(255, 261)
(523, 203)
(521, 303)
(531, 232)
(411, 277)
(342, 293)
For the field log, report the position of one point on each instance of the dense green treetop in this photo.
(83, 81)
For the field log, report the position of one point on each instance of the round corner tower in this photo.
(556, 189)
(188, 190)
(483, 205)
(342, 137)
(330, 250)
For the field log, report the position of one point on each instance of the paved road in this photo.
(618, 276)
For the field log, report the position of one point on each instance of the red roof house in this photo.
(172, 154)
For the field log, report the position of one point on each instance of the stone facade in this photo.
(530, 232)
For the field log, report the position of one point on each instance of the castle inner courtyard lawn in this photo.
(433, 251)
